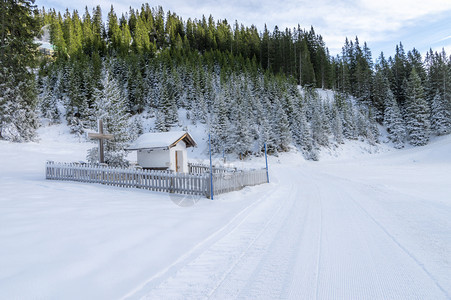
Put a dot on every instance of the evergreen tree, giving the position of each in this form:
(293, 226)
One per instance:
(347, 116)
(318, 125)
(110, 106)
(220, 125)
(337, 125)
(393, 121)
(380, 87)
(303, 137)
(241, 135)
(18, 121)
(417, 112)
(48, 103)
(18, 27)
(440, 116)
(281, 127)
(400, 74)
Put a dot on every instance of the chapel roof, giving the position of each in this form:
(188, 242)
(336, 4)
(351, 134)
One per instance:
(162, 140)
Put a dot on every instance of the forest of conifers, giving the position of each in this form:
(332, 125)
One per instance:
(239, 81)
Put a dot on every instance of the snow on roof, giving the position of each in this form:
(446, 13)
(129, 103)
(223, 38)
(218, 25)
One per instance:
(153, 140)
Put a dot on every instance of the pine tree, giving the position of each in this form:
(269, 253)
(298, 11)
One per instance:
(167, 104)
(281, 127)
(110, 106)
(319, 130)
(337, 125)
(17, 121)
(364, 127)
(440, 116)
(303, 137)
(220, 125)
(393, 121)
(380, 86)
(417, 112)
(241, 135)
(18, 55)
(160, 124)
(347, 116)
(48, 103)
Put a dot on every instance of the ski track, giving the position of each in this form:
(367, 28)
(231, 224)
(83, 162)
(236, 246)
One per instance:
(315, 240)
(201, 247)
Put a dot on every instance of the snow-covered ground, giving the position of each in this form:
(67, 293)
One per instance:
(356, 226)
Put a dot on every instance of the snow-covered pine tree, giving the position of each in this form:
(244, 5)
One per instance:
(167, 103)
(346, 114)
(440, 116)
(348, 117)
(267, 134)
(319, 132)
(240, 135)
(337, 125)
(417, 112)
(110, 106)
(393, 121)
(364, 126)
(199, 107)
(18, 52)
(219, 125)
(47, 102)
(135, 87)
(281, 127)
(304, 138)
(18, 121)
(160, 123)
(380, 86)
(136, 127)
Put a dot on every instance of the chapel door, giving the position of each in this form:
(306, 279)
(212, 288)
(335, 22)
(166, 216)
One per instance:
(178, 161)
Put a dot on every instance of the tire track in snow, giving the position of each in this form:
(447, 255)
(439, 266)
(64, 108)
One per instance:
(402, 248)
(267, 276)
(196, 251)
(280, 264)
(303, 278)
(338, 250)
(320, 237)
(195, 278)
(250, 260)
(399, 281)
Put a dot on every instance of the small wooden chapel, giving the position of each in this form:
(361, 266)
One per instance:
(163, 150)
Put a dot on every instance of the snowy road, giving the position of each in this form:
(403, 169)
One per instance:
(321, 235)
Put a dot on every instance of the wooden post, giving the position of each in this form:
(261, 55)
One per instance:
(101, 136)
(266, 159)
(211, 169)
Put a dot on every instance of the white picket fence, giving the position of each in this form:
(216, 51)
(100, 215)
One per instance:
(233, 181)
(161, 181)
(201, 169)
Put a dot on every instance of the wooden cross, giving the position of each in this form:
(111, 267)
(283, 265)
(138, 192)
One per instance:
(101, 136)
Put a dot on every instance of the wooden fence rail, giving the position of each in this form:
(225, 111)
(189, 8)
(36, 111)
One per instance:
(229, 182)
(201, 169)
(161, 181)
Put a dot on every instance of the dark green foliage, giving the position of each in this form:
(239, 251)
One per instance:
(417, 112)
(18, 27)
(295, 53)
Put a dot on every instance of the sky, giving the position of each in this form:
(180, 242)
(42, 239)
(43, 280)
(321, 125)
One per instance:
(381, 23)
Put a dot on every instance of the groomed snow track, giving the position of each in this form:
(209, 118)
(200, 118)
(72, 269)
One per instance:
(316, 236)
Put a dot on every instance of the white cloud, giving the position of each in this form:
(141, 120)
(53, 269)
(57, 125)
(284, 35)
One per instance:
(445, 38)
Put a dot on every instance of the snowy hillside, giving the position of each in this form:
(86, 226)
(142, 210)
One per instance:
(352, 226)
